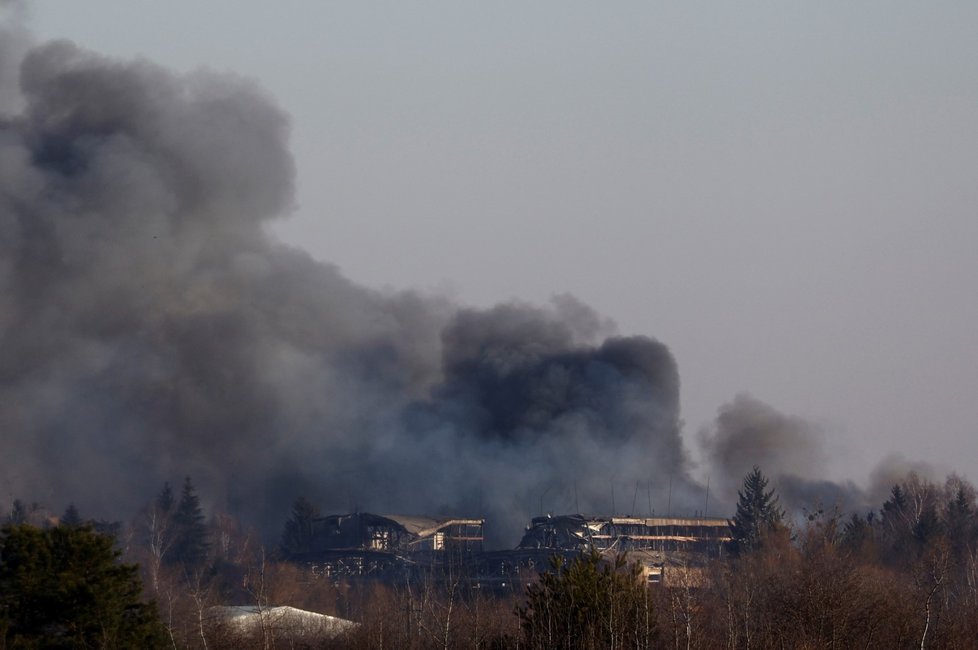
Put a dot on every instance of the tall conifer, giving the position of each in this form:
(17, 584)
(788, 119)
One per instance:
(297, 534)
(190, 542)
(758, 513)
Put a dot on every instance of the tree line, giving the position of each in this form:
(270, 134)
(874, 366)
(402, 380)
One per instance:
(904, 574)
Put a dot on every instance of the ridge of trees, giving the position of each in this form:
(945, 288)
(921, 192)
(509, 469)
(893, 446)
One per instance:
(901, 574)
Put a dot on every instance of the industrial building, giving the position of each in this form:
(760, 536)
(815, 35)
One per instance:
(366, 544)
(661, 545)
(381, 546)
(700, 535)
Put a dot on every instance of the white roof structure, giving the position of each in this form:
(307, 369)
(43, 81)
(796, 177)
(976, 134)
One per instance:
(424, 526)
(283, 621)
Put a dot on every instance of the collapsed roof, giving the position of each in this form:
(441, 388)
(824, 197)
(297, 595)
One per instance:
(395, 533)
(578, 532)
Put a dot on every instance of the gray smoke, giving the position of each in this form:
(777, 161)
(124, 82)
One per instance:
(791, 453)
(896, 468)
(788, 449)
(150, 329)
(14, 42)
(748, 432)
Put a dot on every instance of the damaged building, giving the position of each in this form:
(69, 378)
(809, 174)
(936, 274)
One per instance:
(656, 543)
(365, 544)
(702, 535)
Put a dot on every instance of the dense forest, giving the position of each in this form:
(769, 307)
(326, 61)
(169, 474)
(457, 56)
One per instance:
(903, 575)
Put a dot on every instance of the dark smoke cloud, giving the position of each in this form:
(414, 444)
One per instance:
(790, 451)
(14, 42)
(150, 328)
(748, 432)
(896, 468)
(541, 413)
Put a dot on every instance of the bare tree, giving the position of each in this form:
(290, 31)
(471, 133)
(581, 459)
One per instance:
(929, 578)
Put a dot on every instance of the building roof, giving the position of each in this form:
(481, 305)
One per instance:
(424, 526)
(246, 618)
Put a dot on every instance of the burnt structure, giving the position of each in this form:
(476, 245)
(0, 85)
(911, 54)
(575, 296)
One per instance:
(656, 543)
(384, 547)
(702, 535)
(365, 544)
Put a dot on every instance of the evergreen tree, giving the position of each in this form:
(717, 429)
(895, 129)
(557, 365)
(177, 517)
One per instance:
(18, 513)
(907, 523)
(297, 534)
(960, 522)
(107, 528)
(71, 516)
(190, 533)
(164, 500)
(64, 587)
(894, 514)
(758, 513)
(157, 523)
(959, 508)
(928, 525)
(859, 535)
(588, 603)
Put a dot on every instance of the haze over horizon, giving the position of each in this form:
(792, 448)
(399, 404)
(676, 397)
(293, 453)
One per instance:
(784, 197)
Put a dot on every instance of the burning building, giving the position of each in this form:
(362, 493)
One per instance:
(136, 207)
(367, 544)
(703, 535)
(656, 543)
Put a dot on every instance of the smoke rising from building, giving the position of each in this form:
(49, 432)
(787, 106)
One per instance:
(151, 328)
(748, 432)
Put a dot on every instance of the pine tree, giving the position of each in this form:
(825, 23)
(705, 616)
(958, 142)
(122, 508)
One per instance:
(960, 522)
(190, 533)
(895, 513)
(18, 513)
(71, 516)
(859, 535)
(898, 523)
(164, 500)
(297, 534)
(758, 513)
(588, 603)
(63, 587)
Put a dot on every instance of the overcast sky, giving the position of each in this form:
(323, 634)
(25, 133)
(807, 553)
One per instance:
(783, 193)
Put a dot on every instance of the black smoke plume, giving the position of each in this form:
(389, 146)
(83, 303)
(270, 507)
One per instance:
(790, 450)
(150, 328)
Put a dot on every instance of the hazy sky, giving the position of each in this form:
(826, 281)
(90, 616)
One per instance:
(786, 194)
